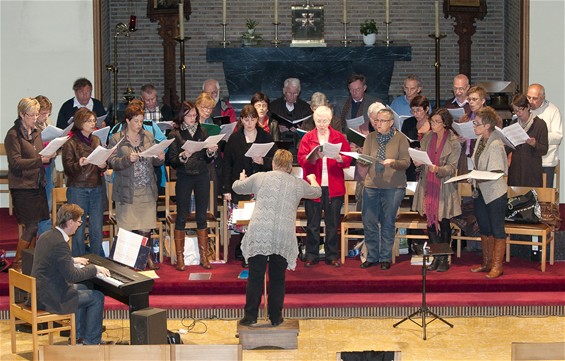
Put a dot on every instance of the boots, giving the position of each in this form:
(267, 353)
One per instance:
(433, 237)
(487, 245)
(434, 265)
(202, 235)
(179, 245)
(497, 258)
(17, 264)
(443, 264)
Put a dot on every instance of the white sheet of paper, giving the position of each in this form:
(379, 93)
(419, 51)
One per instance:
(127, 247)
(465, 130)
(470, 163)
(54, 146)
(102, 134)
(211, 141)
(259, 150)
(245, 213)
(165, 125)
(227, 129)
(363, 157)
(355, 122)
(331, 150)
(52, 132)
(515, 134)
(99, 120)
(410, 140)
(398, 119)
(476, 174)
(419, 156)
(100, 155)
(155, 149)
(456, 113)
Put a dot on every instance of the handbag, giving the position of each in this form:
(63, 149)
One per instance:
(524, 208)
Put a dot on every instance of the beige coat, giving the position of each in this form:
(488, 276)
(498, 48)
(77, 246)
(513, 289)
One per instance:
(449, 199)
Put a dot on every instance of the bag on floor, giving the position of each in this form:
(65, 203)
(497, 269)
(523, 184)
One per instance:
(191, 253)
(524, 208)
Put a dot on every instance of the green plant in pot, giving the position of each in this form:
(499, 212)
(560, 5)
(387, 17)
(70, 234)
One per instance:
(369, 30)
(250, 37)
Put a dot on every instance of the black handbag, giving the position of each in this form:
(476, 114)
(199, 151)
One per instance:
(524, 208)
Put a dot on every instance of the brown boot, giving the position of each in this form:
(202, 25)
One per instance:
(179, 245)
(202, 235)
(487, 245)
(497, 258)
(17, 264)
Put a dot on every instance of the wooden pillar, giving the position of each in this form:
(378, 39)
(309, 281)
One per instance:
(166, 12)
(465, 12)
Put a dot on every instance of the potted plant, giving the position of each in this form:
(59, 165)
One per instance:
(250, 37)
(369, 30)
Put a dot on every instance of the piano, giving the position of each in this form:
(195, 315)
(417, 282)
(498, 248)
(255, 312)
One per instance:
(124, 284)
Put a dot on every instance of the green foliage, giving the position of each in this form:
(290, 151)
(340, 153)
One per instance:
(368, 27)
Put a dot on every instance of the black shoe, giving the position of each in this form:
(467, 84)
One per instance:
(278, 322)
(244, 264)
(309, 263)
(443, 265)
(368, 264)
(385, 265)
(434, 265)
(247, 321)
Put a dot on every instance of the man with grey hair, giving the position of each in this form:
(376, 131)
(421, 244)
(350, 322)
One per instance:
(223, 107)
(401, 105)
(358, 101)
(547, 111)
(153, 111)
(460, 88)
(290, 106)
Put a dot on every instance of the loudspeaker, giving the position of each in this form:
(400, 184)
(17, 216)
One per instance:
(148, 327)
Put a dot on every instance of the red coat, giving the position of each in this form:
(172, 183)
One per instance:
(336, 182)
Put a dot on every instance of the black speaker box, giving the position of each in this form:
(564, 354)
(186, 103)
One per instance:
(148, 327)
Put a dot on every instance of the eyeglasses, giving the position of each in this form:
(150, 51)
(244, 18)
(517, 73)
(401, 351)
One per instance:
(436, 121)
(207, 108)
(417, 110)
(36, 115)
(382, 121)
(91, 120)
(469, 99)
(476, 124)
(249, 119)
(518, 110)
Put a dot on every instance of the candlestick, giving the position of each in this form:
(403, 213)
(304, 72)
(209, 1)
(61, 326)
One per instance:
(388, 41)
(437, 19)
(224, 11)
(276, 40)
(345, 41)
(344, 11)
(181, 20)
(276, 12)
(224, 42)
(437, 65)
(387, 11)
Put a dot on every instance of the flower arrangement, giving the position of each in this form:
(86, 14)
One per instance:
(250, 37)
(368, 27)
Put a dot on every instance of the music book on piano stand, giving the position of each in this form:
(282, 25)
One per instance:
(130, 249)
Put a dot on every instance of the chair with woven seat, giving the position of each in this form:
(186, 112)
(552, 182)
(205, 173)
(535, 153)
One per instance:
(212, 222)
(21, 313)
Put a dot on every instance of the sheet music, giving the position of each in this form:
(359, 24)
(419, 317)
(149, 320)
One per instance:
(476, 174)
(515, 134)
(419, 156)
(52, 132)
(165, 125)
(103, 135)
(398, 119)
(331, 150)
(100, 155)
(456, 113)
(363, 157)
(410, 140)
(227, 129)
(243, 214)
(127, 247)
(54, 146)
(101, 119)
(259, 150)
(466, 130)
(156, 149)
(355, 122)
(211, 141)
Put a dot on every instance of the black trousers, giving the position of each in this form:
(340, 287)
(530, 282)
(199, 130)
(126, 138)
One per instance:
(276, 285)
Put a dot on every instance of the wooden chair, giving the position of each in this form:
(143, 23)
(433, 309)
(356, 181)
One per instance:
(351, 220)
(542, 231)
(4, 180)
(408, 220)
(212, 222)
(20, 313)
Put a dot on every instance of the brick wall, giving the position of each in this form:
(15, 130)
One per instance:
(412, 20)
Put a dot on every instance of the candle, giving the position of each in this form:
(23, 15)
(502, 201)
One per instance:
(181, 20)
(225, 11)
(387, 11)
(345, 11)
(437, 19)
(276, 12)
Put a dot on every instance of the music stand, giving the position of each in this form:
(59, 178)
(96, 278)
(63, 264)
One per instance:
(436, 249)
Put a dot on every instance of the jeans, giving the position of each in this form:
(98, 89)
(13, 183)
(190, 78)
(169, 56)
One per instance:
(332, 209)
(380, 207)
(185, 185)
(45, 224)
(89, 314)
(276, 287)
(91, 201)
(490, 217)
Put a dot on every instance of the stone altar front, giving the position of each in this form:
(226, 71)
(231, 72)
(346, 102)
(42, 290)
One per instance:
(249, 69)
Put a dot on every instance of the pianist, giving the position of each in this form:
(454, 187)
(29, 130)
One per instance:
(57, 274)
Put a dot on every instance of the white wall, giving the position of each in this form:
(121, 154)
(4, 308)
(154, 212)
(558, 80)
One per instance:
(547, 58)
(44, 47)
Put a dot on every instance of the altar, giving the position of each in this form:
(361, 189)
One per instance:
(249, 69)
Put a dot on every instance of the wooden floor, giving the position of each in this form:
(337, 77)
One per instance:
(470, 339)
